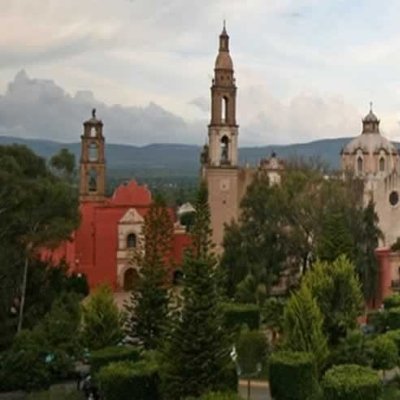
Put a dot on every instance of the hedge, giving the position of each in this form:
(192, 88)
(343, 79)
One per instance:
(351, 382)
(392, 301)
(292, 376)
(103, 357)
(395, 336)
(252, 349)
(236, 315)
(127, 380)
(393, 318)
(384, 352)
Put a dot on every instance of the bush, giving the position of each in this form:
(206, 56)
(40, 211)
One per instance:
(126, 380)
(395, 336)
(103, 357)
(236, 315)
(351, 382)
(252, 349)
(393, 318)
(384, 353)
(378, 320)
(292, 376)
(392, 301)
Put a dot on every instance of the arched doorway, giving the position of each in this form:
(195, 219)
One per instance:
(130, 279)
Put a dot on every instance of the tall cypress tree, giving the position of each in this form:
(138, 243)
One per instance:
(367, 263)
(148, 306)
(197, 352)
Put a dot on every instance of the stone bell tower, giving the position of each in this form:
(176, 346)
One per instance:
(92, 163)
(220, 164)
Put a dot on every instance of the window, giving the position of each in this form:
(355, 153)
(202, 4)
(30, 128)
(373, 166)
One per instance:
(394, 198)
(224, 109)
(382, 164)
(93, 132)
(93, 152)
(131, 241)
(92, 180)
(360, 166)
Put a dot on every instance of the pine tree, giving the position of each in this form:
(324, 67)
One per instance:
(197, 352)
(148, 306)
(303, 326)
(102, 321)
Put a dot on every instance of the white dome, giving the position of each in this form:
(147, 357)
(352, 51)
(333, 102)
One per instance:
(370, 143)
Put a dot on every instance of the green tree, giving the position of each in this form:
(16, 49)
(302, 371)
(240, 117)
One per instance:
(257, 244)
(63, 163)
(196, 356)
(38, 209)
(102, 321)
(303, 326)
(337, 291)
(367, 263)
(384, 353)
(148, 306)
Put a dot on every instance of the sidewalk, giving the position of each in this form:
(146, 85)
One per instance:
(259, 390)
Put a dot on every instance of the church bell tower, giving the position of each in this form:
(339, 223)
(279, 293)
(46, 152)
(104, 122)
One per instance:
(223, 130)
(220, 157)
(92, 163)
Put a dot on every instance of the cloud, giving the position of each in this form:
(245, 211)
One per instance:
(41, 109)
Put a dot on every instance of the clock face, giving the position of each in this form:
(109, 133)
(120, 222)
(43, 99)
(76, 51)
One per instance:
(224, 185)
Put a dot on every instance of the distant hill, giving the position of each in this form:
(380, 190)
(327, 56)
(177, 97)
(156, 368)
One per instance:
(179, 160)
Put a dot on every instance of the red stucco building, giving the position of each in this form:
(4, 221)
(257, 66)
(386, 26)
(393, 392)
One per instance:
(102, 247)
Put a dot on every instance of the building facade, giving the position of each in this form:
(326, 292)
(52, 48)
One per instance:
(110, 230)
(374, 159)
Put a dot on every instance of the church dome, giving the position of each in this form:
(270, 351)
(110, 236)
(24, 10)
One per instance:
(370, 141)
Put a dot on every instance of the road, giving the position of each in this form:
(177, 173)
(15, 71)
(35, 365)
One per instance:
(258, 390)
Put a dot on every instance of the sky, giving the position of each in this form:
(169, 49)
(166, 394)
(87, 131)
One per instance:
(305, 69)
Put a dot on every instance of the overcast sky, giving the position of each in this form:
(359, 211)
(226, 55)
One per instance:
(305, 69)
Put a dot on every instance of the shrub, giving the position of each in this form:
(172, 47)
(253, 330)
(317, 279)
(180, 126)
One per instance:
(351, 382)
(252, 349)
(392, 301)
(393, 318)
(384, 353)
(237, 314)
(125, 380)
(351, 350)
(378, 320)
(292, 376)
(395, 336)
(103, 357)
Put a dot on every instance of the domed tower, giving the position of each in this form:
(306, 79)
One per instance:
(223, 130)
(92, 164)
(370, 155)
(220, 157)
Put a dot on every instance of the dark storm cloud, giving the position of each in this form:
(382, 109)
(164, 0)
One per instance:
(40, 108)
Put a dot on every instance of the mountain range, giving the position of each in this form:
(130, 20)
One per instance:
(180, 160)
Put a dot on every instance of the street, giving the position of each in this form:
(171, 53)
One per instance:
(258, 390)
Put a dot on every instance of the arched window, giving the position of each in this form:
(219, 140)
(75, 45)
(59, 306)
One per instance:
(224, 150)
(360, 165)
(93, 152)
(92, 180)
(224, 109)
(382, 166)
(93, 132)
(131, 241)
